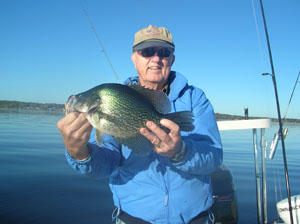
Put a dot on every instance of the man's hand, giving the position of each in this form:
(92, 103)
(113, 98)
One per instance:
(165, 144)
(75, 130)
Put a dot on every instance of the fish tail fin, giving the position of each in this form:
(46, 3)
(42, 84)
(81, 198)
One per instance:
(184, 119)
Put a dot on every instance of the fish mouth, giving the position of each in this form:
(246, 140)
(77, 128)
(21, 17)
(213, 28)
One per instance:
(73, 105)
(70, 104)
(93, 109)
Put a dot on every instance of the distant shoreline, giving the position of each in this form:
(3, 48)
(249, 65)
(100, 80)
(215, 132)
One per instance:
(18, 105)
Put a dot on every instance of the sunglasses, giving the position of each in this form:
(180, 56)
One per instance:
(161, 52)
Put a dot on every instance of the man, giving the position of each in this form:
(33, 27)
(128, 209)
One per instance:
(172, 183)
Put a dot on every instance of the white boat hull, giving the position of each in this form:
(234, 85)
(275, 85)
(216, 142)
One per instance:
(283, 210)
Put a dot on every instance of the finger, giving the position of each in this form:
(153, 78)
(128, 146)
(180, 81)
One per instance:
(81, 125)
(80, 119)
(150, 136)
(63, 123)
(70, 118)
(83, 133)
(85, 128)
(172, 126)
(160, 133)
(72, 123)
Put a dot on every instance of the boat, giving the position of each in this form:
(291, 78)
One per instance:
(224, 192)
(283, 209)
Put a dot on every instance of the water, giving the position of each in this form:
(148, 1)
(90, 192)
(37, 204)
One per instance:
(36, 183)
(38, 186)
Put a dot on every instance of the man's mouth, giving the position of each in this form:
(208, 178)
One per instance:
(154, 67)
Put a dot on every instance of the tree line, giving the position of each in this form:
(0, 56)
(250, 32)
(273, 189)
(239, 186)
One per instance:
(4, 104)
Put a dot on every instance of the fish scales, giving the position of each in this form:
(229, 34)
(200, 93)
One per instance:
(128, 111)
(120, 111)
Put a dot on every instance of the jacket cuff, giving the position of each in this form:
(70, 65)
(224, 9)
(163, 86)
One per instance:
(72, 160)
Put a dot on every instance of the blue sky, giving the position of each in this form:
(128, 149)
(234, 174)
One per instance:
(48, 50)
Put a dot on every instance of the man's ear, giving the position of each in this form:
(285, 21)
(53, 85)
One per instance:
(172, 61)
(133, 58)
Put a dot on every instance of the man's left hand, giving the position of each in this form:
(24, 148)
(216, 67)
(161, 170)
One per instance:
(165, 144)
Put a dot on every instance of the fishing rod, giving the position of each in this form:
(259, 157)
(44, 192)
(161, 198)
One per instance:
(99, 41)
(276, 138)
(279, 115)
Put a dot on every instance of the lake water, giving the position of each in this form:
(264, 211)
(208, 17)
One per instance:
(38, 186)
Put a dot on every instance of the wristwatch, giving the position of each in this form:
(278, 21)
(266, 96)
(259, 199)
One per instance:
(180, 155)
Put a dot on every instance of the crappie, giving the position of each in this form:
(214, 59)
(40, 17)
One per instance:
(121, 110)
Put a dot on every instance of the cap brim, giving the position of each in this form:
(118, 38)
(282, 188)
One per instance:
(147, 44)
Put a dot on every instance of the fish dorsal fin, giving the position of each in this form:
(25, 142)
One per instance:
(157, 98)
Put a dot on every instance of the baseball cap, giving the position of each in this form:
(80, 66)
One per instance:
(153, 36)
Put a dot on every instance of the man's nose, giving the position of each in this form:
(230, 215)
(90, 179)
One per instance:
(156, 57)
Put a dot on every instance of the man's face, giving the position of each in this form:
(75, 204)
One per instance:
(153, 66)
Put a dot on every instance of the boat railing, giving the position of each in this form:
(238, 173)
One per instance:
(260, 176)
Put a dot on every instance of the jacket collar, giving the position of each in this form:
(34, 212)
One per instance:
(177, 83)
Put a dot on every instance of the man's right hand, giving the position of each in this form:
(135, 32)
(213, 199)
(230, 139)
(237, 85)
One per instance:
(75, 130)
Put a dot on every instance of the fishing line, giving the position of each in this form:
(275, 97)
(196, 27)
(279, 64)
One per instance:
(277, 182)
(266, 89)
(258, 35)
(291, 97)
(275, 187)
(99, 41)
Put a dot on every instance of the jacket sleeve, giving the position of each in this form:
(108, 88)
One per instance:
(204, 148)
(102, 160)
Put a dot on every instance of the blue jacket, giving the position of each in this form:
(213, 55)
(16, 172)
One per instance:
(152, 187)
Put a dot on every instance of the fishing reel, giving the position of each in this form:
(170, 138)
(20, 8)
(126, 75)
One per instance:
(275, 140)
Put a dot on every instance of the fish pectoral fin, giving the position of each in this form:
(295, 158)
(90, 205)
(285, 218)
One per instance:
(138, 144)
(99, 137)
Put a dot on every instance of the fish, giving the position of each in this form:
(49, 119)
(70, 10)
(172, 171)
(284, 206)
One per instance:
(121, 110)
